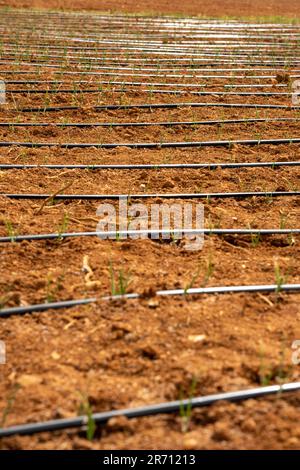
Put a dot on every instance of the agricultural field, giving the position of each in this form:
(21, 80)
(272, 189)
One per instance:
(145, 343)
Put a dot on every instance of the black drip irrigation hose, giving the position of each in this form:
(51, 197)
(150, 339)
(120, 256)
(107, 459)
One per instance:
(143, 23)
(154, 38)
(150, 106)
(268, 288)
(131, 83)
(45, 307)
(94, 70)
(150, 40)
(270, 51)
(187, 53)
(145, 124)
(13, 52)
(155, 234)
(95, 197)
(123, 83)
(156, 91)
(203, 67)
(195, 166)
(196, 63)
(149, 410)
(153, 145)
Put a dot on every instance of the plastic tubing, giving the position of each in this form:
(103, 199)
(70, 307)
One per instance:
(192, 166)
(96, 197)
(153, 145)
(146, 233)
(148, 410)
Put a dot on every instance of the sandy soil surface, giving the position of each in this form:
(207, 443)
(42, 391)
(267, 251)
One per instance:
(218, 8)
(129, 353)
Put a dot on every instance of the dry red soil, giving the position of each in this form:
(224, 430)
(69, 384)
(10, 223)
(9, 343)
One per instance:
(217, 8)
(133, 352)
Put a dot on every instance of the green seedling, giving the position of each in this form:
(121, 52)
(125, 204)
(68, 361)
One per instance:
(86, 409)
(185, 411)
(120, 285)
(207, 275)
(290, 239)
(265, 375)
(53, 287)
(9, 405)
(209, 271)
(3, 301)
(192, 281)
(280, 278)
(11, 232)
(268, 373)
(174, 237)
(255, 239)
(63, 226)
(283, 220)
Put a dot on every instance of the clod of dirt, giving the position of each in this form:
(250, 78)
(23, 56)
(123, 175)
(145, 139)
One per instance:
(149, 351)
(221, 432)
(249, 425)
(283, 78)
(153, 303)
(168, 184)
(190, 443)
(27, 380)
(119, 423)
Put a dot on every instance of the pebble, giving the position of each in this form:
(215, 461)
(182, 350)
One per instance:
(190, 443)
(196, 338)
(249, 425)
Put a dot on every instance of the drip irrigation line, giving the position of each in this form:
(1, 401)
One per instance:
(44, 307)
(141, 34)
(203, 51)
(272, 65)
(40, 41)
(208, 166)
(149, 410)
(158, 74)
(152, 145)
(70, 197)
(93, 25)
(154, 234)
(156, 106)
(48, 52)
(93, 74)
(208, 63)
(107, 38)
(236, 48)
(261, 55)
(110, 40)
(202, 66)
(148, 44)
(16, 47)
(137, 84)
(145, 124)
(173, 92)
(123, 83)
(135, 33)
(208, 28)
(139, 31)
(82, 55)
